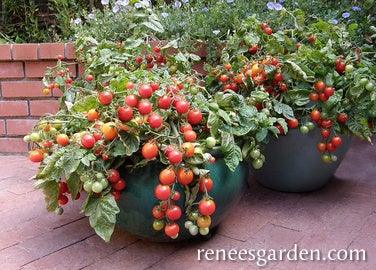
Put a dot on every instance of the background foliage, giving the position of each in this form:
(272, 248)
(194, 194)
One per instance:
(27, 21)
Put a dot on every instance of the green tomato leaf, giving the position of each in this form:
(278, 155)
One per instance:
(223, 114)
(74, 184)
(233, 157)
(88, 158)
(50, 191)
(50, 170)
(85, 104)
(213, 123)
(102, 215)
(283, 109)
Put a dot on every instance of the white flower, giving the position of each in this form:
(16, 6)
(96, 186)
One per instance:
(216, 32)
(105, 2)
(77, 21)
(115, 9)
(177, 4)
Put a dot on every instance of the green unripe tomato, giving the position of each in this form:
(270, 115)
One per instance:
(158, 224)
(87, 186)
(57, 124)
(210, 142)
(52, 130)
(304, 129)
(204, 231)
(193, 216)
(326, 158)
(266, 111)
(363, 81)
(349, 68)
(173, 69)
(310, 125)
(369, 86)
(99, 175)
(255, 153)
(59, 210)
(257, 163)
(193, 230)
(34, 137)
(188, 224)
(103, 182)
(97, 187)
(27, 138)
(193, 90)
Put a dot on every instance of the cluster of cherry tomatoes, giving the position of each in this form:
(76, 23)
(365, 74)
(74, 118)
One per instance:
(166, 212)
(321, 92)
(330, 141)
(151, 59)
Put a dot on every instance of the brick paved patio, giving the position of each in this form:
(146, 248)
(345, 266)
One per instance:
(342, 215)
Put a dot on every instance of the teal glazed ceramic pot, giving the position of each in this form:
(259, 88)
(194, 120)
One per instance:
(293, 164)
(137, 200)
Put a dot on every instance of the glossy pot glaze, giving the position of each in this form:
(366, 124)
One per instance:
(293, 163)
(137, 200)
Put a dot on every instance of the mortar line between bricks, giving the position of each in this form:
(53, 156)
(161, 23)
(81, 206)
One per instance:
(48, 254)
(233, 238)
(132, 243)
(284, 227)
(162, 258)
(70, 222)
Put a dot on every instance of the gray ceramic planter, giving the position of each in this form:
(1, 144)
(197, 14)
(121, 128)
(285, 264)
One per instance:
(293, 163)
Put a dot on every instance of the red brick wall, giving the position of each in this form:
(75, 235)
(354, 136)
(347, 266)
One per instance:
(22, 102)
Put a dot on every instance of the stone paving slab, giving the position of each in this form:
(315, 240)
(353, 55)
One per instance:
(340, 216)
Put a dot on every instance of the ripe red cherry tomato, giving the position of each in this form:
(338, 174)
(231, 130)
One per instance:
(145, 91)
(105, 97)
(206, 207)
(184, 175)
(292, 123)
(162, 192)
(144, 107)
(131, 100)
(194, 116)
(88, 141)
(336, 140)
(155, 121)
(119, 184)
(125, 113)
(167, 176)
(164, 102)
(171, 229)
(149, 150)
(175, 156)
(342, 117)
(205, 183)
(182, 106)
(173, 212)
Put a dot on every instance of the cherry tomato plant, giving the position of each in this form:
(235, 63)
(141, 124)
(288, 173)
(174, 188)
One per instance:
(306, 81)
(139, 102)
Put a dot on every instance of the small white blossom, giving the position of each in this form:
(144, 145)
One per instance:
(77, 21)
